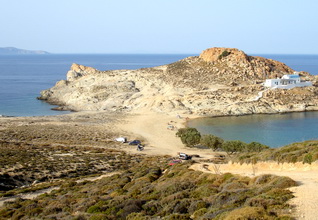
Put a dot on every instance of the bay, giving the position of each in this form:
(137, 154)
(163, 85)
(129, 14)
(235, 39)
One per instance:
(274, 130)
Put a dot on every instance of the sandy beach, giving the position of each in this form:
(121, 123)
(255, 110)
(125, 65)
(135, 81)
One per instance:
(158, 130)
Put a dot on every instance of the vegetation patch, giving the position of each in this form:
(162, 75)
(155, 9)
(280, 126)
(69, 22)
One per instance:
(225, 53)
(152, 189)
(191, 137)
(28, 164)
(305, 152)
(241, 152)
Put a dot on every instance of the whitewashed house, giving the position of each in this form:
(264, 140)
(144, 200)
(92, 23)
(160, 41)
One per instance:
(287, 82)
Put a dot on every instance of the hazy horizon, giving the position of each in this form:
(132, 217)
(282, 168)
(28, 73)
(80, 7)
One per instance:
(101, 53)
(165, 27)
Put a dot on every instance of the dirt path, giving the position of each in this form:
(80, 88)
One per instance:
(306, 199)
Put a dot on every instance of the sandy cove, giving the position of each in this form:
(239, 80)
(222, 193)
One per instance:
(152, 127)
(159, 139)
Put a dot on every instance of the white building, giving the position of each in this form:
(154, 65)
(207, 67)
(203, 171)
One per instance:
(287, 82)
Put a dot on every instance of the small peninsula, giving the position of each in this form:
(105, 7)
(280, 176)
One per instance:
(219, 82)
(17, 51)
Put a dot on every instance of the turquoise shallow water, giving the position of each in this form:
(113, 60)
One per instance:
(273, 130)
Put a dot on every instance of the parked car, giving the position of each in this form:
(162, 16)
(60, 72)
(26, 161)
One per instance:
(184, 156)
(121, 139)
(134, 142)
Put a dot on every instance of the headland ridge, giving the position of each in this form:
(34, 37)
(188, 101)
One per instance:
(218, 82)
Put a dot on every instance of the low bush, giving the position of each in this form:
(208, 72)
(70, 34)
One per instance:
(211, 141)
(225, 53)
(189, 136)
(248, 213)
(308, 158)
(255, 147)
(145, 192)
(234, 146)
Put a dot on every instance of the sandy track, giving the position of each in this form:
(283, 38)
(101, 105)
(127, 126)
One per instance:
(306, 199)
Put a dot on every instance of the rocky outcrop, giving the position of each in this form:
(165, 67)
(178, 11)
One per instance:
(215, 83)
(79, 71)
(236, 60)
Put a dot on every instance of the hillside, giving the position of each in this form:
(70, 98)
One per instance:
(16, 51)
(221, 81)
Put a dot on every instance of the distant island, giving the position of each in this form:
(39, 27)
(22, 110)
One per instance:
(17, 51)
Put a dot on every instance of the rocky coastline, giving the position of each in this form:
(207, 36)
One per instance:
(219, 82)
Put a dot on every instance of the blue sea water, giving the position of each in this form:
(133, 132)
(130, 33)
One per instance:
(273, 130)
(307, 63)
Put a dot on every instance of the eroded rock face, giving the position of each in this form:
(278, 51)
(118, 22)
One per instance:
(78, 71)
(215, 83)
(215, 54)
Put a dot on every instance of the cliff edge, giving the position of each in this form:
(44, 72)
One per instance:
(221, 81)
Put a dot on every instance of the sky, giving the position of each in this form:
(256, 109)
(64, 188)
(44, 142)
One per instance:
(159, 27)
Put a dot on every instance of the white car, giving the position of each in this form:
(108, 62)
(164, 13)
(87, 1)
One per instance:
(121, 139)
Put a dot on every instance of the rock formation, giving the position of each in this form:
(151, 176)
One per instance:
(221, 81)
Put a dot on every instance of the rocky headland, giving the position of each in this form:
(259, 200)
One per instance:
(219, 82)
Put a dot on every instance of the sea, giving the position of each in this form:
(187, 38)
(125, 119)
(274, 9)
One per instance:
(23, 77)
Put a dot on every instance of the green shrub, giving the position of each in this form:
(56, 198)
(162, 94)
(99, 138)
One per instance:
(137, 216)
(189, 136)
(94, 209)
(197, 214)
(233, 146)
(176, 216)
(308, 158)
(211, 141)
(99, 217)
(225, 53)
(255, 147)
(247, 213)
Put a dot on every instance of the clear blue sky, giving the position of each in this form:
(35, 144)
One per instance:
(162, 26)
